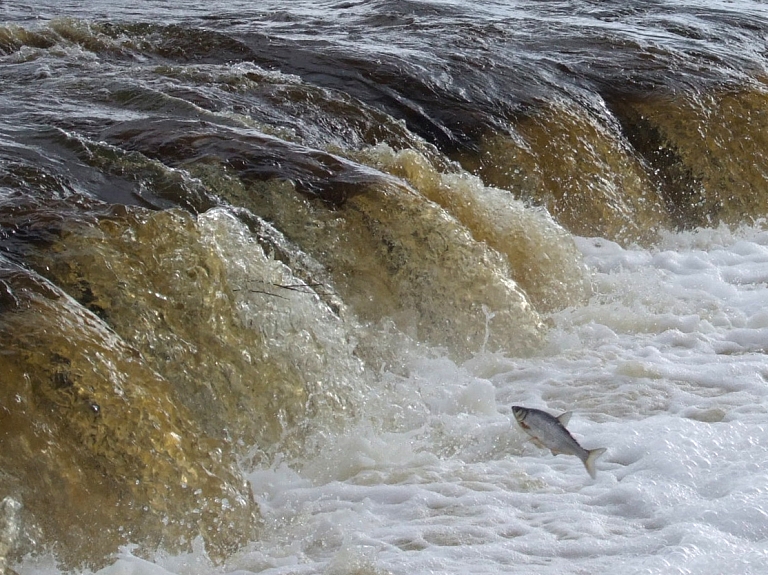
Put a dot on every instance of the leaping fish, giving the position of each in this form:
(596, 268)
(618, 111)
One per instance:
(549, 432)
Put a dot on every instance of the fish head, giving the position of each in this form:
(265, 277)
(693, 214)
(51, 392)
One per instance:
(519, 413)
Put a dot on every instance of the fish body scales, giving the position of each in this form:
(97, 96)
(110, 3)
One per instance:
(553, 435)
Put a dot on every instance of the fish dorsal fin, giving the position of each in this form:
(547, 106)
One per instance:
(565, 418)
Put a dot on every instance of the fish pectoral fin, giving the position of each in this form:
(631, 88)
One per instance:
(538, 443)
(564, 418)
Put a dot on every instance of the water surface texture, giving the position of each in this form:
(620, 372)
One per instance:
(272, 275)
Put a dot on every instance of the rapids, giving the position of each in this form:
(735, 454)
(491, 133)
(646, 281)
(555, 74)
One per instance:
(272, 274)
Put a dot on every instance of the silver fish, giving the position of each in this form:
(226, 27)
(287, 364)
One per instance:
(549, 432)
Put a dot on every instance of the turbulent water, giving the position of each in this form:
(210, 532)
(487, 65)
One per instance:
(272, 275)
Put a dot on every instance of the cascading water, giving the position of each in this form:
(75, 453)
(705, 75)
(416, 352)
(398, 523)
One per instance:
(271, 276)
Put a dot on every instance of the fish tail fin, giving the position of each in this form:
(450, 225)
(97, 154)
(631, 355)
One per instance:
(592, 456)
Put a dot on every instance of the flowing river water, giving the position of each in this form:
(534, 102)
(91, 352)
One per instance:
(272, 275)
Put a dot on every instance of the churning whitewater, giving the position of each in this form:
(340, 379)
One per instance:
(277, 279)
(666, 365)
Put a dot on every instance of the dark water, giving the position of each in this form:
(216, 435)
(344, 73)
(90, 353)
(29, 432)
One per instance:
(219, 223)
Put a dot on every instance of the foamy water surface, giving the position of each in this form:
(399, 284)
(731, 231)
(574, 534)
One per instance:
(666, 367)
